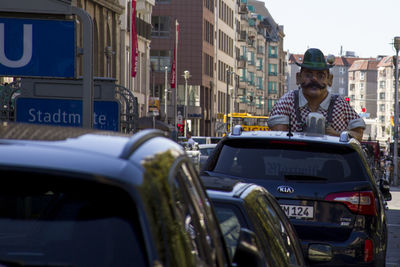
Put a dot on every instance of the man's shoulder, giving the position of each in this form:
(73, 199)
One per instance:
(290, 95)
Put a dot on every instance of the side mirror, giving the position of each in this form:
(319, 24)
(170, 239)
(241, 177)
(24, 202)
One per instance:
(247, 252)
(385, 189)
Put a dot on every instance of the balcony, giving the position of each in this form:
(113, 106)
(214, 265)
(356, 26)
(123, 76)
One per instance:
(243, 99)
(243, 8)
(252, 34)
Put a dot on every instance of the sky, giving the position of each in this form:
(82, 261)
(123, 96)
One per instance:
(366, 27)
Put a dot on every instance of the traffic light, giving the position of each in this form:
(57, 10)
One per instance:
(180, 127)
(347, 99)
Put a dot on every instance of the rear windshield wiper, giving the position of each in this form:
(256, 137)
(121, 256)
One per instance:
(304, 177)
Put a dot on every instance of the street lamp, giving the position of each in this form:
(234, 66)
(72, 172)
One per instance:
(228, 73)
(186, 75)
(396, 111)
(166, 94)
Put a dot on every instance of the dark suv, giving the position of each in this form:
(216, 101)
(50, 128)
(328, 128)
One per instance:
(324, 185)
(76, 197)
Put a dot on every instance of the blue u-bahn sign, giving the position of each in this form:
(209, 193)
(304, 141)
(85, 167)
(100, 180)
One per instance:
(37, 48)
(66, 112)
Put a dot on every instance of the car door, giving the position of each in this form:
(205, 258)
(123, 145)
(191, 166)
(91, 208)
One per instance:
(194, 210)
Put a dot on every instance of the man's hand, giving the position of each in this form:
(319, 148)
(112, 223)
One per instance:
(357, 133)
(330, 131)
(280, 127)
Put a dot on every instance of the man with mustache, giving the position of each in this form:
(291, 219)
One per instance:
(313, 96)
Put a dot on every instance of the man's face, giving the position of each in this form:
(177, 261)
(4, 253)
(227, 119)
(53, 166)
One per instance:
(314, 82)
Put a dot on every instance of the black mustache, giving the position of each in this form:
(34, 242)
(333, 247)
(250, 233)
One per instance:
(312, 84)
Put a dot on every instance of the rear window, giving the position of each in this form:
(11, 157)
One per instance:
(47, 220)
(275, 160)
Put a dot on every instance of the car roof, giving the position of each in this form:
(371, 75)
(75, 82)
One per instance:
(78, 150)
(295, 136)
(218, 187)
(207, 145)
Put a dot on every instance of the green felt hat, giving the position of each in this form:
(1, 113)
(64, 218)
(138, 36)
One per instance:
(314, 59)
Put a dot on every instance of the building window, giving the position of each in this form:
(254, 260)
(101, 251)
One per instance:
(382, 107)
(272, 52)
(160, 59)
(251, 78)
(208, 32)
(382, 96)
(361, 86)
(260, 83)
(271, 87)
(381, 118)
(250, 58)
(382, 84)
(272, 70)
(362, 75)
(160, 26)
(209, 4)
(259, 64)
(208, 65)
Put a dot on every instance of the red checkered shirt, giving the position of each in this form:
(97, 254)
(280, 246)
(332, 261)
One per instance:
(344, 116)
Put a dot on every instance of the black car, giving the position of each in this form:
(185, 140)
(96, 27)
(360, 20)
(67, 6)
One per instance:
(239, 205)
(324, 185)
(80, 197)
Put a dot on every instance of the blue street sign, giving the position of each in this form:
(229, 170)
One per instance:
(65, 112)
(37, 48)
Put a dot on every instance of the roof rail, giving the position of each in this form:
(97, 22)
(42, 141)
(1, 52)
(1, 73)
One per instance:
(345, 136)
(137, 140)
(237, 130)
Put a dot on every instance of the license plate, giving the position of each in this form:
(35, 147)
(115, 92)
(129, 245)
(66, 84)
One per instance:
(293, 211)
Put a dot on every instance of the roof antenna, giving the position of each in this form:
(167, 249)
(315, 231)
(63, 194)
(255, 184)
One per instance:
(289, 134)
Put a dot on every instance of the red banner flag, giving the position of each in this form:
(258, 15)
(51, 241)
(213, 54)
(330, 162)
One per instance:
(173, 67)
(134, 45)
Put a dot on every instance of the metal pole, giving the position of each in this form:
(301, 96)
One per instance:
(227, 100)
(154, 82)
(186, 106)
(396, 112)
(176, 76)
(166, 94)
(234, 100)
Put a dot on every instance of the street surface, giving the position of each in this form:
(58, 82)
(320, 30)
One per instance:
(393, 214)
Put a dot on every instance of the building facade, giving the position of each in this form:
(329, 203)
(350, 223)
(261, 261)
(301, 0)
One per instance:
(385, 99)
(363, 86)
(140, 84)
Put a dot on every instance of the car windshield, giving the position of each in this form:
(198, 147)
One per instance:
(262, 159)
(46, 220)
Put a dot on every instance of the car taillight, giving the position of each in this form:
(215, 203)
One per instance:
(358, 202)
(368, 250)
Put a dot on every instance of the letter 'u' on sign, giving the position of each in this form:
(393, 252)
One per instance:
(27, 50)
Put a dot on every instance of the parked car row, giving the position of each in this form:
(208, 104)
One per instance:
(324, 186)
(81, 197)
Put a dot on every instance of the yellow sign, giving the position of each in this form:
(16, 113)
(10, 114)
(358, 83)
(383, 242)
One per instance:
(255, 128)
(154, 104)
